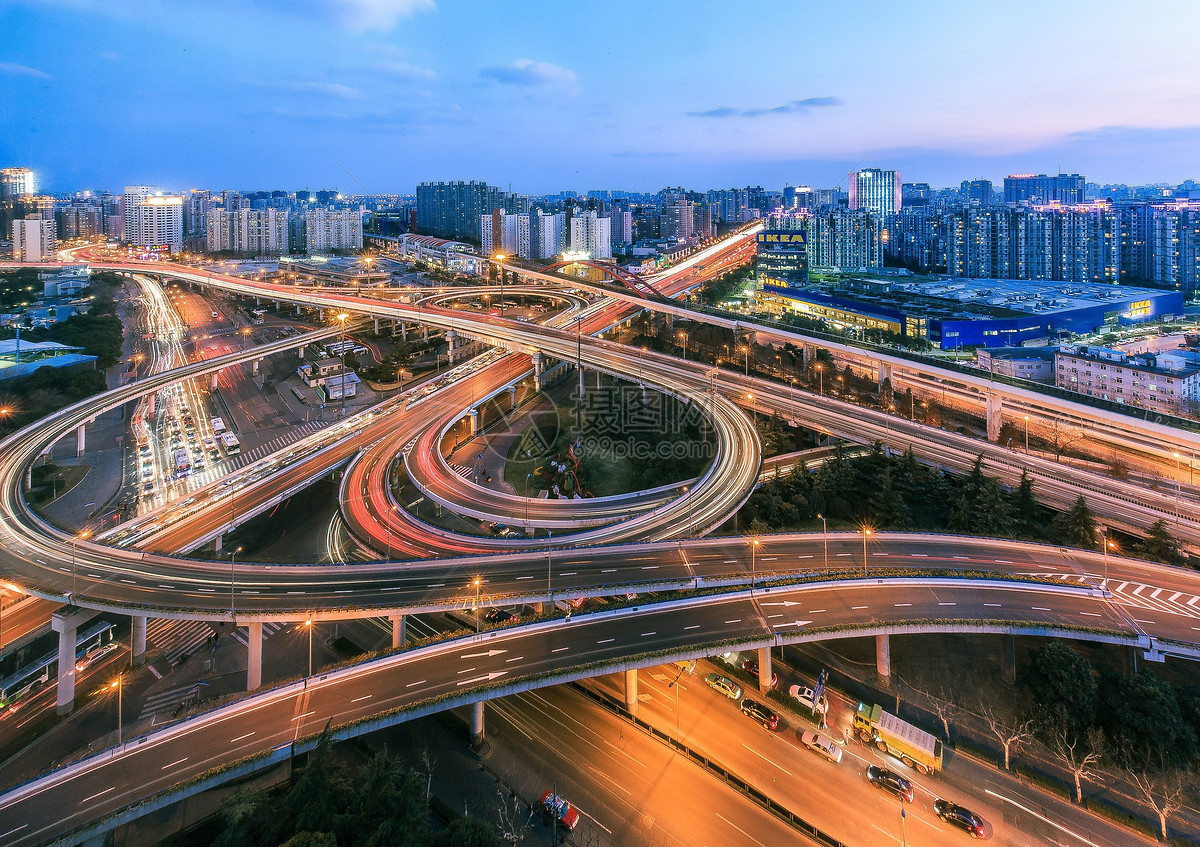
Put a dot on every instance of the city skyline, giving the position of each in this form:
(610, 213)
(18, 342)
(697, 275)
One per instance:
(374, 96)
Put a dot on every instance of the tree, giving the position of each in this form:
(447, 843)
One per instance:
(1160, 545)
(1077, 526)
(320, 792)
(311, 839)
(1063, 687)
(466, 832)
(887, 504)
(1009, 737)
(1143, 713)
(1078, 755)
(1162, 788)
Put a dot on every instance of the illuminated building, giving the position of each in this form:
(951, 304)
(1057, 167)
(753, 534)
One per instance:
(875, 190)
(153, 219)
(33, 240)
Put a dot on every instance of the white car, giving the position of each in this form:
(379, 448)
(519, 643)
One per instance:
(805, 696)
(821, 744)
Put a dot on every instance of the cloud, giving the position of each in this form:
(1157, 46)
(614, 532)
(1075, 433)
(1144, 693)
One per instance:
(789, 108)
(109, 55)
(14, 69)
(531, 74)
(404, 70)
(377, 14)
(333, 89)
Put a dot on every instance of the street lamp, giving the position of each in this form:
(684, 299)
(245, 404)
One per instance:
(746, 352)
(75, 540)
(683, 336)
(866, 531)
(1026, 433)
(232, 556)
(500, 257)
(1107, 544)
(753, 411)
(118, 684)
(478, 615)
(308, 624)
(342, 317)
(753, 556)
(825, 537)
(820, 380)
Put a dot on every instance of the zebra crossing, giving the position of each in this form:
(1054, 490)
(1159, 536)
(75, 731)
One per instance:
(278, 443)
(1141, 595)
(171, 700)
(269, 628)
(175, 638)
(462, 470)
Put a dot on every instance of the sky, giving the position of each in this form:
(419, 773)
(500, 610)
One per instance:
(378, 95)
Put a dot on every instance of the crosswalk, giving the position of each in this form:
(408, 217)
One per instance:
(177, 638)
(1141, 595)
(292, 435)
(269, 628)
(462, 470)
(169, 701)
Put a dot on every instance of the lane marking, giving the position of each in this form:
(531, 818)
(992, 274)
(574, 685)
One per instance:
(738, 828)
(11, 831)
(767, 759)
(94, 796)
(364, 697)
(648, 634)
(858, 607)
(1092, 614)
(993, 605)
(1039, 608)
(693, 626)
(240, 738)
(173, 764)
(559, 649)
(947, 604)
(1057, 826)
(606, 641)
(411, 684)
(514, 659)
(901, 604)
(305, 715)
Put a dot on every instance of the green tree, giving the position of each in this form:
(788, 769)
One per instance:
(1142, 714)
(1160, 545)
(466, 832)
(1077, 526)
(320, 793)
(888, 508)
(311, 839)
(1063, 688)
(1027, 513)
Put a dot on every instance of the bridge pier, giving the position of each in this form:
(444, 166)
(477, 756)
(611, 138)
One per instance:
(883, 658)
(79, 436)
(217, 544)
(399, 629)
(403, 331)
(139, 639)
(254, 656)
(474, 415)
(631, 693)
(884, 374)
(512, 397)
(451, 339)
(539, 369)
(321, 315)
(213, 380)
(764, 670)
(254, 366)
(995, 416)
(477, 734)
(66, 623)
(297, 308)
(377, 326)
(300, 350)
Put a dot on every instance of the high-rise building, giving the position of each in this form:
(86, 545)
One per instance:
(915, 194)
(621, 227)
(195, 212)
(499, 233)
(333, 229)
(153, 219)
(15, 182)
(677, 221)
(455, 209)
(1064, 189)
(547, 234)
(977, 190)
(876, 190)
(591, 234)
(33, 239)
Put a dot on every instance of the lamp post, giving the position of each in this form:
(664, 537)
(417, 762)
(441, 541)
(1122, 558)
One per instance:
(750, 403)
(866, 531)
(75, 540)
(1107, 544)
(342, 318)
(753, 556)
(527, 476)
(478, 615)
(308, 624)
(820, 380)
(746, 353)
(118, 684)
(1026, 433)
(683, 337)
(825, 537)
(500, 257)
(232, 557)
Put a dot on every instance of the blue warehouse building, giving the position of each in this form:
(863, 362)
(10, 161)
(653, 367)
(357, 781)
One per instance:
(956, 313)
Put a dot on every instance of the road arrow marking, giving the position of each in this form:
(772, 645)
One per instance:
(487, 678)
(791, 623)
(784, 603)
(486, 655)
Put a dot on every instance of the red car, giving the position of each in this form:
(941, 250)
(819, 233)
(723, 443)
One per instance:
(750, 666)
(554, 806)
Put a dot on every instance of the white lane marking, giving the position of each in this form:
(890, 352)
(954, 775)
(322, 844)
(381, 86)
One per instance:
(412, 684)
(767, 558)
(648, 634)
(1039, 608)
(94, 796)
(559, 649)
(305, 715)
(1139, 620)
(693, 626)
(465, 670)
(11, 831)
(649, 567)
(1091, 614)
(901, 604)
(524, 577)
(843, 554)
(993, 605)
(173, 764)
(609, 570)
(364, 697)
(606, 640)
(569, 573)
(918, 555)
(766, 759)
(739, 620)
(738, 828)
(1029, 811)
(962, 557)
(947, 604)
(804, 557)
(436, 585)
(858, 607)
(240, 738)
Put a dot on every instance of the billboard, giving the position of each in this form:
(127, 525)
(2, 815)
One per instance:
(790, 239)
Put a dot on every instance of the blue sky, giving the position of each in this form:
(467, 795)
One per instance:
(548, 96)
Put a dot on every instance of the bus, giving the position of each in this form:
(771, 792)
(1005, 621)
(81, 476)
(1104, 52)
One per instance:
(93, 641)
(232, 445)
(218, 426)
(183, 463)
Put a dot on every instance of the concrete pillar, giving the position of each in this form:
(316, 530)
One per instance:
(254, 656)
(995, 416)
(512, 397)
(631, 693)
(1008, 659)
(213, 381)
(66, 623)
(764, 669)
(807, 352)
(300, 350)
(474, 415)
(883, 658)
(29, 476)
(451, 344)
(477, 736)
(424, 333)
(297, 308)
(276, 305)
(217, 544)
(139, 639)
(321, 315)
(885, 374)
(257, 302)
(79, 441)
(399, 626)
(377, 326)
(539, 367)
(254, 366)
(403, 331)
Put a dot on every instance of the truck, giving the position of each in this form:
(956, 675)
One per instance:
(915, 747)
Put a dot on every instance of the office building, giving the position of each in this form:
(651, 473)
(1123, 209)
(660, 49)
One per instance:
(876, 190)
(33, 240)
(781, 257)
(15, 182)
(677, 221)
(455, 209)
(1164, 382)
(333, 229)
(153, 219)
(591, 234)
(1064, 189)
(977, 191)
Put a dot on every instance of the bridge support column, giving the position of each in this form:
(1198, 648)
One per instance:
(66, 623)
(399, 627)
(1008, 659)
(213, 381)
(512, 397)
(451, 339)
(254, 366)
(883, 658)
(539, 368)
(474, 416)
(477, 735)
(764, 670)
(300, 350)
(79, 434)
(276, 305)
(884, 374)
(995, 416)
(139, 639)
(217, 544)
(321, 315)
(254, 656)
(403, 331)
(377, 326)
(807, 354)
(424, 333)
(297, 308)
(631, 693)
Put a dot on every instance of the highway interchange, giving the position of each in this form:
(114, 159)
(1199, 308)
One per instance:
(133, 581)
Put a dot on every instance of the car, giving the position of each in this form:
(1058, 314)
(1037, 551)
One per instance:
(501, 616)
(725, 685)
(148, 488)
(554, 806)
(759, 712)
(961, 817)
(891, 782)
(750, 666)
(95, 654)
(822, 744)
(805, 696)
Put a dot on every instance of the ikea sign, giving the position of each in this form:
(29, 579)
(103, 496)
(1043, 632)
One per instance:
(790, 237)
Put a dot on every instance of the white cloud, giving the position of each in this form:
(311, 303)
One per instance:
(14, 69)
(333, 89)
(377, 14)
(404, 70)
(531, 74)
